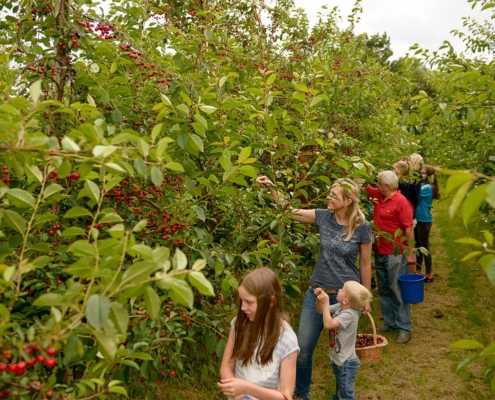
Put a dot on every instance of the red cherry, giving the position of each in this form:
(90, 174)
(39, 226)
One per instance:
(50, 363)
(172, 373)
(40, 359)
(51, 351)
(164, 359)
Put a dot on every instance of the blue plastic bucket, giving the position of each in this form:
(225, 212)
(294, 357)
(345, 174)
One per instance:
(412, 287)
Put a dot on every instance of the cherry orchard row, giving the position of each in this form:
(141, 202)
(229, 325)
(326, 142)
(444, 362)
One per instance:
(130, 142)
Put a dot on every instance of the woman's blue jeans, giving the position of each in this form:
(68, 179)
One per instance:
(345, 376)
(310, 327)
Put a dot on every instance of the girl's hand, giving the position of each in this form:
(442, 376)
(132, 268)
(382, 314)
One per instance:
(232, 387)
(264, 181)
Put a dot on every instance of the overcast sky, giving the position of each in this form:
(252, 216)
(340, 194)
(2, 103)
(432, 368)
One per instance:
(426, 22)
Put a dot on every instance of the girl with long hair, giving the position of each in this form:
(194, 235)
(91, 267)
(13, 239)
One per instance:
(424, 218)
(345, 236)
(259, 361)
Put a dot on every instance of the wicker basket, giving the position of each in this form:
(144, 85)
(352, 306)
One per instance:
(372, 353)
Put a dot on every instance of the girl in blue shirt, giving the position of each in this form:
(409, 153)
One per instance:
(429, 192)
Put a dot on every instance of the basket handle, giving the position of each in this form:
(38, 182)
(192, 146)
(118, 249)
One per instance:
(374, 328)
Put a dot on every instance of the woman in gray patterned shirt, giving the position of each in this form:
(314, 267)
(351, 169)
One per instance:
(345, 238)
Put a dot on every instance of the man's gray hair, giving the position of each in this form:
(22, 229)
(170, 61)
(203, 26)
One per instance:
(389, 178)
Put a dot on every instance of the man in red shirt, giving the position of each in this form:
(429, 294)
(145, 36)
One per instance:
(394, 251)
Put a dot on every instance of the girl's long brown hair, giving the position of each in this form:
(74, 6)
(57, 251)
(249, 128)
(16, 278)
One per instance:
(264, 331)
(431, 178)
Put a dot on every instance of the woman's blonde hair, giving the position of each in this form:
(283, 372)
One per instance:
(403, 167)
(350, 191)
(357, 294)
(416, 162)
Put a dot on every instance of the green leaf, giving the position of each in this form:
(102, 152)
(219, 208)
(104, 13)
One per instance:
(316, 100)
(107, 345)
(470, 241)
(144, 148)
(138, 271)
(119, 317)
(301, 88)
(199, 265)
(198, 142)
(156, 176)
(271, 79)
(156, 131)
(20, 198)
(459, 198)
(141, 249)
(467, 344)
(200, 213)
(77, 212)
(458, 179)
(179, 261)
(225, 160)
(82, 248)
(100, 151)
(490, 271)
(49, 300)
(73, 350)
(198, 280)
(90, 190)
(140, 225)
(152, 301)
(97, 310)
(4, 314)
(15, 221)
(111, 217)
(119, 390)
(45, 218)
(207, 109)
(35, 90)
(33, 173)
(174, 166)
(473, 202)
(73, 231)
(201, 120)
(51, 190)
(244, 154)
(180, 292)
(69, 145)
(248, 170)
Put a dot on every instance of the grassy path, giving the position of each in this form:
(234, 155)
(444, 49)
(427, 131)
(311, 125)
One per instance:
(458, 305)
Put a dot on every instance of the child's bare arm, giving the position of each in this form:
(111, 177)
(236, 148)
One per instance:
(323, 307)
(321, 299)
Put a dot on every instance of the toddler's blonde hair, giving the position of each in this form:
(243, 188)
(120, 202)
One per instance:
(357, 294)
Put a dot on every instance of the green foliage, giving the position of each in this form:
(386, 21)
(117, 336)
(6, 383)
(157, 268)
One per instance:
(129, 142)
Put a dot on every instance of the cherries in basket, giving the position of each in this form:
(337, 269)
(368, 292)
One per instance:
(366, 340)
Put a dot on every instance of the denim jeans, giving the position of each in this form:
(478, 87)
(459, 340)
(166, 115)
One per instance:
(310, 327)
(396, 313)
(345, 377)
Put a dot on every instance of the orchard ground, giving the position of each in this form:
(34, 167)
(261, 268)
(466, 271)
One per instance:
(456, 306)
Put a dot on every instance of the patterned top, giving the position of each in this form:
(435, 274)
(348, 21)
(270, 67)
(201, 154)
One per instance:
(337, 259)
(267, 376)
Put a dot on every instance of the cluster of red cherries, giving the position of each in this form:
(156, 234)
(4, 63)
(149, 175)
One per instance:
(366, 340)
